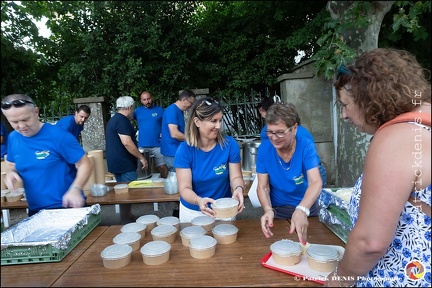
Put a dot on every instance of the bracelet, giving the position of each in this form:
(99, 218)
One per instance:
(75, 187)
(239, 187)
(268, 208)
(304, 209)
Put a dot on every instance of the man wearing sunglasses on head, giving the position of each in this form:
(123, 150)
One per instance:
(40, 155)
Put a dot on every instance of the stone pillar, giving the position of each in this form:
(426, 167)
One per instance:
(93, 135)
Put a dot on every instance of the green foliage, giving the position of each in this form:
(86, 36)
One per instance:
(114, 48)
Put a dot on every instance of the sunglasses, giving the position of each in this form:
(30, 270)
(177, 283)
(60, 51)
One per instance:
(343, 70)
(15, 103)
(207, 102)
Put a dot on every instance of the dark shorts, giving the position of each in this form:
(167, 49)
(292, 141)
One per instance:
(285, 212)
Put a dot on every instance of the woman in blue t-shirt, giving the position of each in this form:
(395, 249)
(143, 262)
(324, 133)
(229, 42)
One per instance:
(289, 181)
(208, 163)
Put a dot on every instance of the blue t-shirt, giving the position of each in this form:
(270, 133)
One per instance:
(4, 133)
(287, 187)
(68, 124)
(210, 170)
(301, 133)
(149, 125)
(44, 161)
(172, 115)
(118, 158)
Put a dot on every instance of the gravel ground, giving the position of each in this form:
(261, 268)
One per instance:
(110, 217)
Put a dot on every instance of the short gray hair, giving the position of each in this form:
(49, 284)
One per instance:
(124, 102)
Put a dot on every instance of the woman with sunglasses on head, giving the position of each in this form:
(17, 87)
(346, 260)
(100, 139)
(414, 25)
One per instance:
(208, 163)
(43, 157)
(289, 181)
(385, 93)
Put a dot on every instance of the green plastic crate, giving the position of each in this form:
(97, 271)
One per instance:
(340, 214)
(338, 231)
(40, 254)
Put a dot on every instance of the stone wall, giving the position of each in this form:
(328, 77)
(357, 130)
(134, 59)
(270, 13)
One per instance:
(93, 135)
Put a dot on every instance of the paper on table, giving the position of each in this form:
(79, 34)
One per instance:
(253, 196)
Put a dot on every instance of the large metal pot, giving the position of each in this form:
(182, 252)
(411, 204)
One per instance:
(250, 152)
(145, 173)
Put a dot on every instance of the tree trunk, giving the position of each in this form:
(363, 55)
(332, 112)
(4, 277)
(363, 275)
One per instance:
(352, 144)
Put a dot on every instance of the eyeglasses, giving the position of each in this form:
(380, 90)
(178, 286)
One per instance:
(192, 102)
(343, 70)
(207, 102)
(15, 103)
(278, 134)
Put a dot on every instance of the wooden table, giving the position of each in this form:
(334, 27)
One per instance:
(236, 264)
(45, 274)
(135, 196)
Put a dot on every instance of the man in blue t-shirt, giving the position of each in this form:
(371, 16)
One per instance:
(149, 119)
(40, 155)
(173, 126)
(75, 123)
(3, 138)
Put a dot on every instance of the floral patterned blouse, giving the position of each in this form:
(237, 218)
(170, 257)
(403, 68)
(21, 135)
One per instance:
(408, 258)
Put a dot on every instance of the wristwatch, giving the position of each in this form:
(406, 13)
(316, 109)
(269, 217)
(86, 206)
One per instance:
(304, 209)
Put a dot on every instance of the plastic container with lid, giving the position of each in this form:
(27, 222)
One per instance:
(205, 221)
(130, 238)
(225, 207)
(189, 232)
(155, 252)
(225, 233)
(121, 189)
(201, 247)
(116, 256)
(169, 220)
(323, 258)
(14, 196)
(149, 220)
(286, 252)
(167, 233)
(135, 227)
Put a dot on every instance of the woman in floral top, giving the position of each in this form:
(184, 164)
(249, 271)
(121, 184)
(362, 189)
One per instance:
(385, 94)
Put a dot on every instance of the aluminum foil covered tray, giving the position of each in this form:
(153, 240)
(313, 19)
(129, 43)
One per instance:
(47, 236)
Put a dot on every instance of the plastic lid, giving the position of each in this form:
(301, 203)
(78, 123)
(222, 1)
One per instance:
(323, 253)
(147, 219)
(126, 238)
(224, 203)
(202, 242)
(286, 248)
(116, 251)
(119, 186)
(169, 220)
(224, 229)
(155, 248)
(163, 230)
(202, 220)
(133, 227)
(192, 231)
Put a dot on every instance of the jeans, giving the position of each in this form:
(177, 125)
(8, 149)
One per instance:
(126, 177)
(126, 209)
(323, 174)
(169, 161)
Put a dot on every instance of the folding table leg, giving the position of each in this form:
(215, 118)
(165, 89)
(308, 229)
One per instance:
(6, 217)
(155, 206)
(117, 208)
